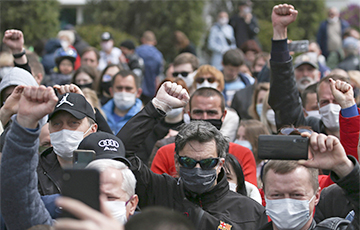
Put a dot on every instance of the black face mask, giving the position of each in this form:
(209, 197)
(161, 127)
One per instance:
(198, 180)
(215, 122)
(255, 74)
(85, 86)
(105, 86)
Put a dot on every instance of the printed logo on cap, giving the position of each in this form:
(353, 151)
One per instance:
(109, 144)
(64, 100)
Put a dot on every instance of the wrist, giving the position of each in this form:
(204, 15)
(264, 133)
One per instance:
(344, 168)
(347, 104)
(18, 53)
(26, 121)
(279, 33)
(161, 105)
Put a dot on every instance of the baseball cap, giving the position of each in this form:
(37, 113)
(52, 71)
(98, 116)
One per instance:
(307, 58)
(106, 146)
(128, 44)
(75, 104)
(106, 36)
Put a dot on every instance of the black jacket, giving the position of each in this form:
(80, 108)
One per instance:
(206, 211)
(284, 98)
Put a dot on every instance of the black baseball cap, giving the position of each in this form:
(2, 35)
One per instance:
(128, 44)
(106, 36)
(106, 146)
(75, 104)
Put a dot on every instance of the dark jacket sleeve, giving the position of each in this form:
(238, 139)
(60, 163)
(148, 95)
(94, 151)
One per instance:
(102, 124)
(24, 66)
(21, 205)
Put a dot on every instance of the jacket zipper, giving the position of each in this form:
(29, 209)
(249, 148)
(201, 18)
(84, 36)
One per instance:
(57, 186)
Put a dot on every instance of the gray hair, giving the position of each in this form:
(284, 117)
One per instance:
(201, 131)
(129, 180)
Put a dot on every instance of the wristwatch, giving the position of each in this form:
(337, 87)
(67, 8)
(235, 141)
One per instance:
(19, 55)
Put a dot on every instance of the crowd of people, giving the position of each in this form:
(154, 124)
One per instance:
(179, 148)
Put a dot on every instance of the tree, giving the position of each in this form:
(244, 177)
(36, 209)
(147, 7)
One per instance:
(37, 19)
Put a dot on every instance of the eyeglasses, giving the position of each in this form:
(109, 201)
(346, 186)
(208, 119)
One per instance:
(190, 163)
(201, 80)
(183, 74)
(287, 131)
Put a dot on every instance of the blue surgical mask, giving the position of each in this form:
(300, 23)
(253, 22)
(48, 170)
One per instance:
(244, 143)
(259, 108)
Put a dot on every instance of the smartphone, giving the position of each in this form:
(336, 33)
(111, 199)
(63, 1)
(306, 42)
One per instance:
(83, 185)
(283, 147)
(81, 158)
(300, 46)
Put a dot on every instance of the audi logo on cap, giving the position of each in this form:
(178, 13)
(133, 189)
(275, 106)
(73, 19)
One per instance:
(108, 143)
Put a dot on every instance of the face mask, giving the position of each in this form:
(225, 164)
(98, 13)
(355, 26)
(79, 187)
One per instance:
(223, 21)
(213, 85)
(64, 44)
(330, 116)
(270, 116)
(64, 142)
(255, 74)
(198, 180)
(288, 214)
(189, 79)
(106, 46)
(105, 86)
(333, 20)
(89, 85)
(232, 186)
(215, 122)
(244, 143)
(118, 210)
(124, 101)
(174, 113)
(313, 113)
(259, 108)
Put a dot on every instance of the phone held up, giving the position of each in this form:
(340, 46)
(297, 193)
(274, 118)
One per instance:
(283, 147)
(299, 46)
(81, 158)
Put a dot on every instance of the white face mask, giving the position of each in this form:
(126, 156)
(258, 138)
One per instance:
(313, 113)
(270, 116)
(65, 141)
(174, 113)
(206, 83)
(189, 79)
(106, 46)
(223, 21)
(232, 186)
(118, 210)
(330, 116)
(64, 44)
(244, 143)
(124, 100)
(288, 214)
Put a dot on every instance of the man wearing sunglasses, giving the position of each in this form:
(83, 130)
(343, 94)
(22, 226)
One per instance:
(202, 193)
(185, 66)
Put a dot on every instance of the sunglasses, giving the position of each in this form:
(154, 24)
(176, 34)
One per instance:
(287, 131)
(183, 74)
(190, 163)
(201, 80)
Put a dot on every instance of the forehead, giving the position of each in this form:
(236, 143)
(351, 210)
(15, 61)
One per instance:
(198, 150)
(82, 75)
(297, 180)
(223, 14)
(111, 180)
(201, 102)
(128, 81)
(324, 91)
(183, 68)
(89, 54)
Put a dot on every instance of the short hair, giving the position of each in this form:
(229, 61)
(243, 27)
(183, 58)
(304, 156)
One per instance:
(233, 57)
(185, 58)
(310, 89)
(125, 73)
(201, 131)
(211, 70)
(159, 218)
(284, 167)
(149, 36)
(230, 160)
(129, 180)
(181, 39)
(91, 49)
(261, 55)
(208, 92)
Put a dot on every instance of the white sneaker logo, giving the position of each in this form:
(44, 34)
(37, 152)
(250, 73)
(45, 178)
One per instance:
(64, 100)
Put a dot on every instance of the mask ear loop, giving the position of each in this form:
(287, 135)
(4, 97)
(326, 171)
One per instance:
(128, 200)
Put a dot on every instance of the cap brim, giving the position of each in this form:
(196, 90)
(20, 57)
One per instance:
(76, 114)
(305, 62)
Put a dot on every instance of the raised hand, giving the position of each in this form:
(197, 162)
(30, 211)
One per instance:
(343, 93)
(282, 16)
(14, 39)
(170, 96)
(35, 102)
(11, 105)
(69, 88)
(326, 152)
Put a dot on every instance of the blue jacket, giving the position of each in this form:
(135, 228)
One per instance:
(321, 37)
(115, 122)
(153, 60)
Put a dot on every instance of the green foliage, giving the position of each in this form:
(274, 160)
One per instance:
(311, 13)
(91, 33)
(37, 19)
(162, 17)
